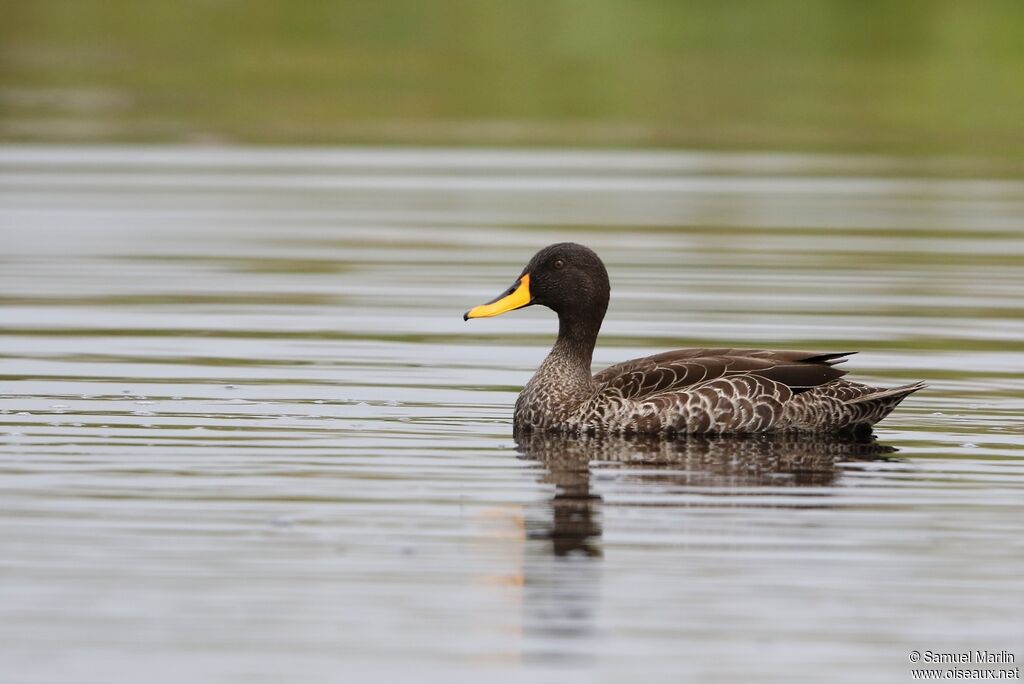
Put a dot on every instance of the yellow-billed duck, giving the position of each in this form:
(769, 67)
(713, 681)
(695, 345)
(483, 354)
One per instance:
(686, 391)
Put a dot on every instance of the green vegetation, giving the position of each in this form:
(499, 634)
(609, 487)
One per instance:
(924, 76)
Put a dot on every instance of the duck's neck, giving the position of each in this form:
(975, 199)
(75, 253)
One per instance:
(563, 382)
(575, 344)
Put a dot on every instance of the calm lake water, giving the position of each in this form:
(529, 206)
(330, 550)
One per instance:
(246, 436)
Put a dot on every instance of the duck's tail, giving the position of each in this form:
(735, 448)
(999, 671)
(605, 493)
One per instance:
(898, 393)
(875, 406)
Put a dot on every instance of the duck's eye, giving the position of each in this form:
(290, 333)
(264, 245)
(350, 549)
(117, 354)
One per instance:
(559, 264)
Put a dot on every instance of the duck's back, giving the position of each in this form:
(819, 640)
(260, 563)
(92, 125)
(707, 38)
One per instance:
(685, 368)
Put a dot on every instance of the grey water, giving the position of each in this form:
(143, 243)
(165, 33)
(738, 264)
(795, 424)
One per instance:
(246, 436)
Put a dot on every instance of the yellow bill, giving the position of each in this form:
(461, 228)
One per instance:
(516, 297)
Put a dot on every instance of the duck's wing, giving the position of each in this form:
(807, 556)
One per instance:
(687, 368)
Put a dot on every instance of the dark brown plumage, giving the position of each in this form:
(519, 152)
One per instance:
(683, 391)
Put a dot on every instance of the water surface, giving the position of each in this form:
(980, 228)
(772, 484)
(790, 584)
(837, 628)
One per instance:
(246, 436)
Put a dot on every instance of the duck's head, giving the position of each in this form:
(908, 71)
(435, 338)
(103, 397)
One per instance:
(566, 277)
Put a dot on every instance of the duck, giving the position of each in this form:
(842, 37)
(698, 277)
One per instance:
(681, 392)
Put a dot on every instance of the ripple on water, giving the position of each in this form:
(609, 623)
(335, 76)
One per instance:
(244, 431)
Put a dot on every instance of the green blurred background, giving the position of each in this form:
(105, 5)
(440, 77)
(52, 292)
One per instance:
(908, 77)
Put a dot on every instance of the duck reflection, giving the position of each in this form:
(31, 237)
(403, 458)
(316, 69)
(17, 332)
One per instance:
(691, 461)
(560, 578)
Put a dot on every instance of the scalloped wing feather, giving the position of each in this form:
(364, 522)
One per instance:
(742, 403)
